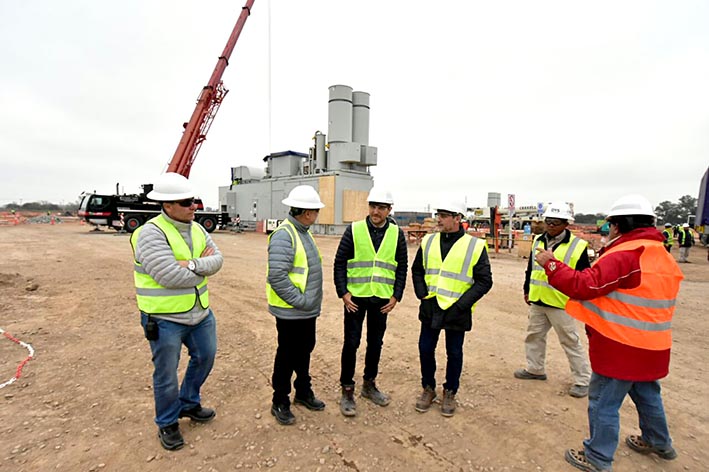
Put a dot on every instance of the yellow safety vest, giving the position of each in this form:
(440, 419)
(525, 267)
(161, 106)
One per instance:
(152, 297)
(299, 272)
(667, 233)
(539, 289)
(449, 279)
(370, 273)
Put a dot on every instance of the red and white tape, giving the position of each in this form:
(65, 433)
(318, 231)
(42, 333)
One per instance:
(29, 348)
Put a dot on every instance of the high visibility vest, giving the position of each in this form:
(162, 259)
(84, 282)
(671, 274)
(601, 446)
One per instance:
(152, 297)
(639, 317)
(370, 273)
(299, 272)
(669, 237)
(539, 289)
(449, 279)
(684, 236)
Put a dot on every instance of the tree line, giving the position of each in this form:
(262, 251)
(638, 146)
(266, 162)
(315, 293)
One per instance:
(667, 212)
(42, 206)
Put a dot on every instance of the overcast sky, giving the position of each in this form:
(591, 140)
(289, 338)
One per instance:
(574, 101)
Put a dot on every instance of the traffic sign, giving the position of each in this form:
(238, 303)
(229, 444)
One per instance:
(511, 202)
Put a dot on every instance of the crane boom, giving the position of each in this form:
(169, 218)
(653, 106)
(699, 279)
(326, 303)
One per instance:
(208, 102)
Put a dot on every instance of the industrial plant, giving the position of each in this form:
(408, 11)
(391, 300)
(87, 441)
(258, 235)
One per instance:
(337, 166)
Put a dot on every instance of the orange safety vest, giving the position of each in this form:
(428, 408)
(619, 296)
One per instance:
(640, 317)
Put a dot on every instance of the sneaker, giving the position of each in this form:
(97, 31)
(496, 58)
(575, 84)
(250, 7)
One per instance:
(370, 391)
(283, 414)
(348, 407)
(638, 444)
(578, 391)
(448, 405)
(170, 437)
(199, 414)
(423, 404)
(310, 402)
(524, 375)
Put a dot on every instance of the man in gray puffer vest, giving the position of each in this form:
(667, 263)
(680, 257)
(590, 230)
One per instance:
(294, 291)
(173, 258)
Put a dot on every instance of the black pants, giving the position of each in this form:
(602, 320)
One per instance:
(376, 326)
(296, 340)
(428, 340)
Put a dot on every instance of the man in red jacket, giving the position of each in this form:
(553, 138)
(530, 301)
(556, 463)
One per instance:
(627, 301)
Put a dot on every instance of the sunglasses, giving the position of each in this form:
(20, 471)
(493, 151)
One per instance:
(551, 222)
(186, 203)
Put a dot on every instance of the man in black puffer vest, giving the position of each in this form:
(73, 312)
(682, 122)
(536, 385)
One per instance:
(370, 276)
(451, 272)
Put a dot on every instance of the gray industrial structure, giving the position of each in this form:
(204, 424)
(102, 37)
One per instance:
(339, 171)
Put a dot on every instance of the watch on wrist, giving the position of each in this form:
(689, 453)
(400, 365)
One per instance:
(191, 265)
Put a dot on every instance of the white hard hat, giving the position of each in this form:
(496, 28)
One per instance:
(685, 225)
(453, 206)
(559, 210)
(379, 195)
(303, 196)
(668, 225)
(631, 205)
(170, 187)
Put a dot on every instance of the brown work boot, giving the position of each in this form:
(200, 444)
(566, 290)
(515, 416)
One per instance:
(348, 407)
(370, 390)
(423, 404)
(448, 405)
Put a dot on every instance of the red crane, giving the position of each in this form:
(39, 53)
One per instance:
(207, 105)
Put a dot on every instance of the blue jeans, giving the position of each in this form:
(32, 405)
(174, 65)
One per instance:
(605, 397)
(428, 339)
(201, 342)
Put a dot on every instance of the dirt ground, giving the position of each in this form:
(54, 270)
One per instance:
(85, 402)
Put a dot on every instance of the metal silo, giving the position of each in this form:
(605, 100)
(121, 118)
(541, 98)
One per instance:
(360, 117)
(339, 126)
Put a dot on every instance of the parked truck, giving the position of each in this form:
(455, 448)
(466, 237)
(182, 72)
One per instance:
(129, 211)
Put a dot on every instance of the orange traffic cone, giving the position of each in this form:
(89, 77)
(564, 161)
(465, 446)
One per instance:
(81, 221)
(51, 222)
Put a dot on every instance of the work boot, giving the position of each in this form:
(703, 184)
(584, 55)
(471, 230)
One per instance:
(370, 390)
(525, 375)
(638, 444)
(448, 405)
(170, 437)
(348, 407)
(199, 414)
(283, 414)
(578, 391)
(310, 402)
(423, 404)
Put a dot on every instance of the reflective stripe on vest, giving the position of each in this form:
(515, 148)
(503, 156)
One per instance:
(639, 317)
(370, 273)
(684, 236)
(298, 274)
(539, 289)
(449, 279)
(152, 297)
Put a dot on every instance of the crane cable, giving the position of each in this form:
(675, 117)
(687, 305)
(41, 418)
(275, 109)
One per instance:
(269, 77)
(18, 372)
